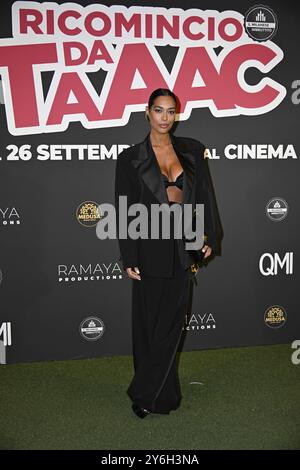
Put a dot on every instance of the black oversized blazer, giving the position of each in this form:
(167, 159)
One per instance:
(138, 176)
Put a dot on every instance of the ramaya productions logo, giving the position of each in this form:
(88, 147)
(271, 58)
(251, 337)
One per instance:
(197, 322)
(92, 328)
(89, 272)
(275, 316)
(277, 209)
(260, 23)
(88, 213)
(9, 216)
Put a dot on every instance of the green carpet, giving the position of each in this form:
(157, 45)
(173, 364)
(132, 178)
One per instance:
(246, 398)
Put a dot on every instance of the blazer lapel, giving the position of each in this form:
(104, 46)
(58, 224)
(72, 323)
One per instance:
(148, 168)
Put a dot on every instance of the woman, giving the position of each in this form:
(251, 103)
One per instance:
(172, 170)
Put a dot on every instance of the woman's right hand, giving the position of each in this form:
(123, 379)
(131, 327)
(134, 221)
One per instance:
(134, 273)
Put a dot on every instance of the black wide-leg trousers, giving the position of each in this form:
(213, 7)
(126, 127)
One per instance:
(159, 307)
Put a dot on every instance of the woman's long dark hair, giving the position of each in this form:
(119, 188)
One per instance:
(161, 92)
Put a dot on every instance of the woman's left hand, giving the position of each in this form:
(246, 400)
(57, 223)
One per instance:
(207, 249)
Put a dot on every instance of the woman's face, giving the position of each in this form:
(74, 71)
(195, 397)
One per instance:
(162, 114)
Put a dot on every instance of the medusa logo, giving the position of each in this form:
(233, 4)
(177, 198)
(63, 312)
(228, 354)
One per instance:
(88, 213)
(275, 316)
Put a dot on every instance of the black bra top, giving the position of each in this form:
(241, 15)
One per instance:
(178, 182)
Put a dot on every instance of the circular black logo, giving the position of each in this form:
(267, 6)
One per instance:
(260, 23)
(275, 316)
(277, 209)
(92, 328)
(87, 213)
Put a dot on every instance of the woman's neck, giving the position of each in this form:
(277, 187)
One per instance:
(160, 140)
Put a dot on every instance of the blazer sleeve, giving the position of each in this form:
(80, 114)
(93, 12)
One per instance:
(126, 184)
(212, 225)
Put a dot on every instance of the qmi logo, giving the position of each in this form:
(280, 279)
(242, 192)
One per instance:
(269, 263)
(5, 332)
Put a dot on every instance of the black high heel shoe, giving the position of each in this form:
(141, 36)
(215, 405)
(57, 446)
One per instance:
(139, 411)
